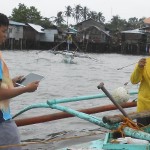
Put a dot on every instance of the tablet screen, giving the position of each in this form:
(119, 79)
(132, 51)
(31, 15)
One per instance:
(31, 77)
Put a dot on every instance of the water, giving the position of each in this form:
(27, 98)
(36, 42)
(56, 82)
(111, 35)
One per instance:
(65, 80)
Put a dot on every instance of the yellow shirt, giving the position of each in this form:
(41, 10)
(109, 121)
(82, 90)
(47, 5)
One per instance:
(142, 76)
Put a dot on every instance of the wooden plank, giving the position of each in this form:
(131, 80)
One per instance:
(119, 118)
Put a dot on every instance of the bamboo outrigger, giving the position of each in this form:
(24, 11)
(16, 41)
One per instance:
(62, 115)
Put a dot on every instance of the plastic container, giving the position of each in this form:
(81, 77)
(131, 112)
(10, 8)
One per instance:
(129, 140)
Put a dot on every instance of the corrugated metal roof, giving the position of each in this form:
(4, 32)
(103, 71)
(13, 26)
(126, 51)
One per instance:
(38, 28)
(137, 31)
(16, 23)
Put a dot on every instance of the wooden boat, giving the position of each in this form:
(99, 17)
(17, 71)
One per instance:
(113, 141)
(68, 55)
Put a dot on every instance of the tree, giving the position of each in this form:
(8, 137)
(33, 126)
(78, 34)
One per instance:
(116, 24)
(93, 15)
(141, 22)
(29, 15)
(84, 13)
(59, 19)
(134, 23)
(100, 17)
(45, 23)
(77, 11)
(19, 14)
(25, 14)
(33, 16)
(68, 13)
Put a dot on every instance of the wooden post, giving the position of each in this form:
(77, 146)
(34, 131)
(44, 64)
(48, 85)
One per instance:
(21, 44)
(119, 118)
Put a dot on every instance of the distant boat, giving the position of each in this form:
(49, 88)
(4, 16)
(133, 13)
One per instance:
(68, 55)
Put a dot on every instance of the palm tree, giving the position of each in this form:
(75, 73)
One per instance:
(100, 17)
(68, 13)
(116, 25)
(59, 19)
(93, 15)
(84, 13)
(77, 13)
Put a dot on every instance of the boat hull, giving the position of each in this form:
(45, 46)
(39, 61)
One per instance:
(107, 145)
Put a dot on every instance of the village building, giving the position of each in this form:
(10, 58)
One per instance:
(146, 30)
(15, 35)
(39, 38)
(92, 36)
(136, 41)
(133, 42)
(29, 36)
(32, 35)
(89, 22)
(87, 36)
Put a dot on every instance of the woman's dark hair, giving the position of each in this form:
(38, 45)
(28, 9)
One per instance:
(4, 21)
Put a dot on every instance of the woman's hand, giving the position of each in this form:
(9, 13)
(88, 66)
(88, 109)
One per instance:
(142, 63)
(17, 79)
(31, 87)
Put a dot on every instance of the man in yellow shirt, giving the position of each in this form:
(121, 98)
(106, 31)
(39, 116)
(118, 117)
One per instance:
(141, 74)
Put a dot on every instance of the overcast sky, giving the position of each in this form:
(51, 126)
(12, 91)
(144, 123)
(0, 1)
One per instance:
(48, 8)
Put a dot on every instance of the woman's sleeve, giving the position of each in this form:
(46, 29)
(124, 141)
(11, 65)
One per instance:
(136, 75)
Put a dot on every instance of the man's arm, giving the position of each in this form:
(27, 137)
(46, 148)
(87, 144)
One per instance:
(136, 76)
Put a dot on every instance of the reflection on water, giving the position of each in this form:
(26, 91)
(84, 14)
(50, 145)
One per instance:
(65, 80)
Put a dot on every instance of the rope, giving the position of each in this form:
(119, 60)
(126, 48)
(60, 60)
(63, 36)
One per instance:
(47, 141)
(128, 123)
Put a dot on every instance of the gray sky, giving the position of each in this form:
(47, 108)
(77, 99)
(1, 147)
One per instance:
(48, 8)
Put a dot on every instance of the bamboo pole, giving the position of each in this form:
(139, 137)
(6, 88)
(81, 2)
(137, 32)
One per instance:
(136, 133)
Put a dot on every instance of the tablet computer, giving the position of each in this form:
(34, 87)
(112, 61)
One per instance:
(31, 77)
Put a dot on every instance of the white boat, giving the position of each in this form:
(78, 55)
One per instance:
(68, 57)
